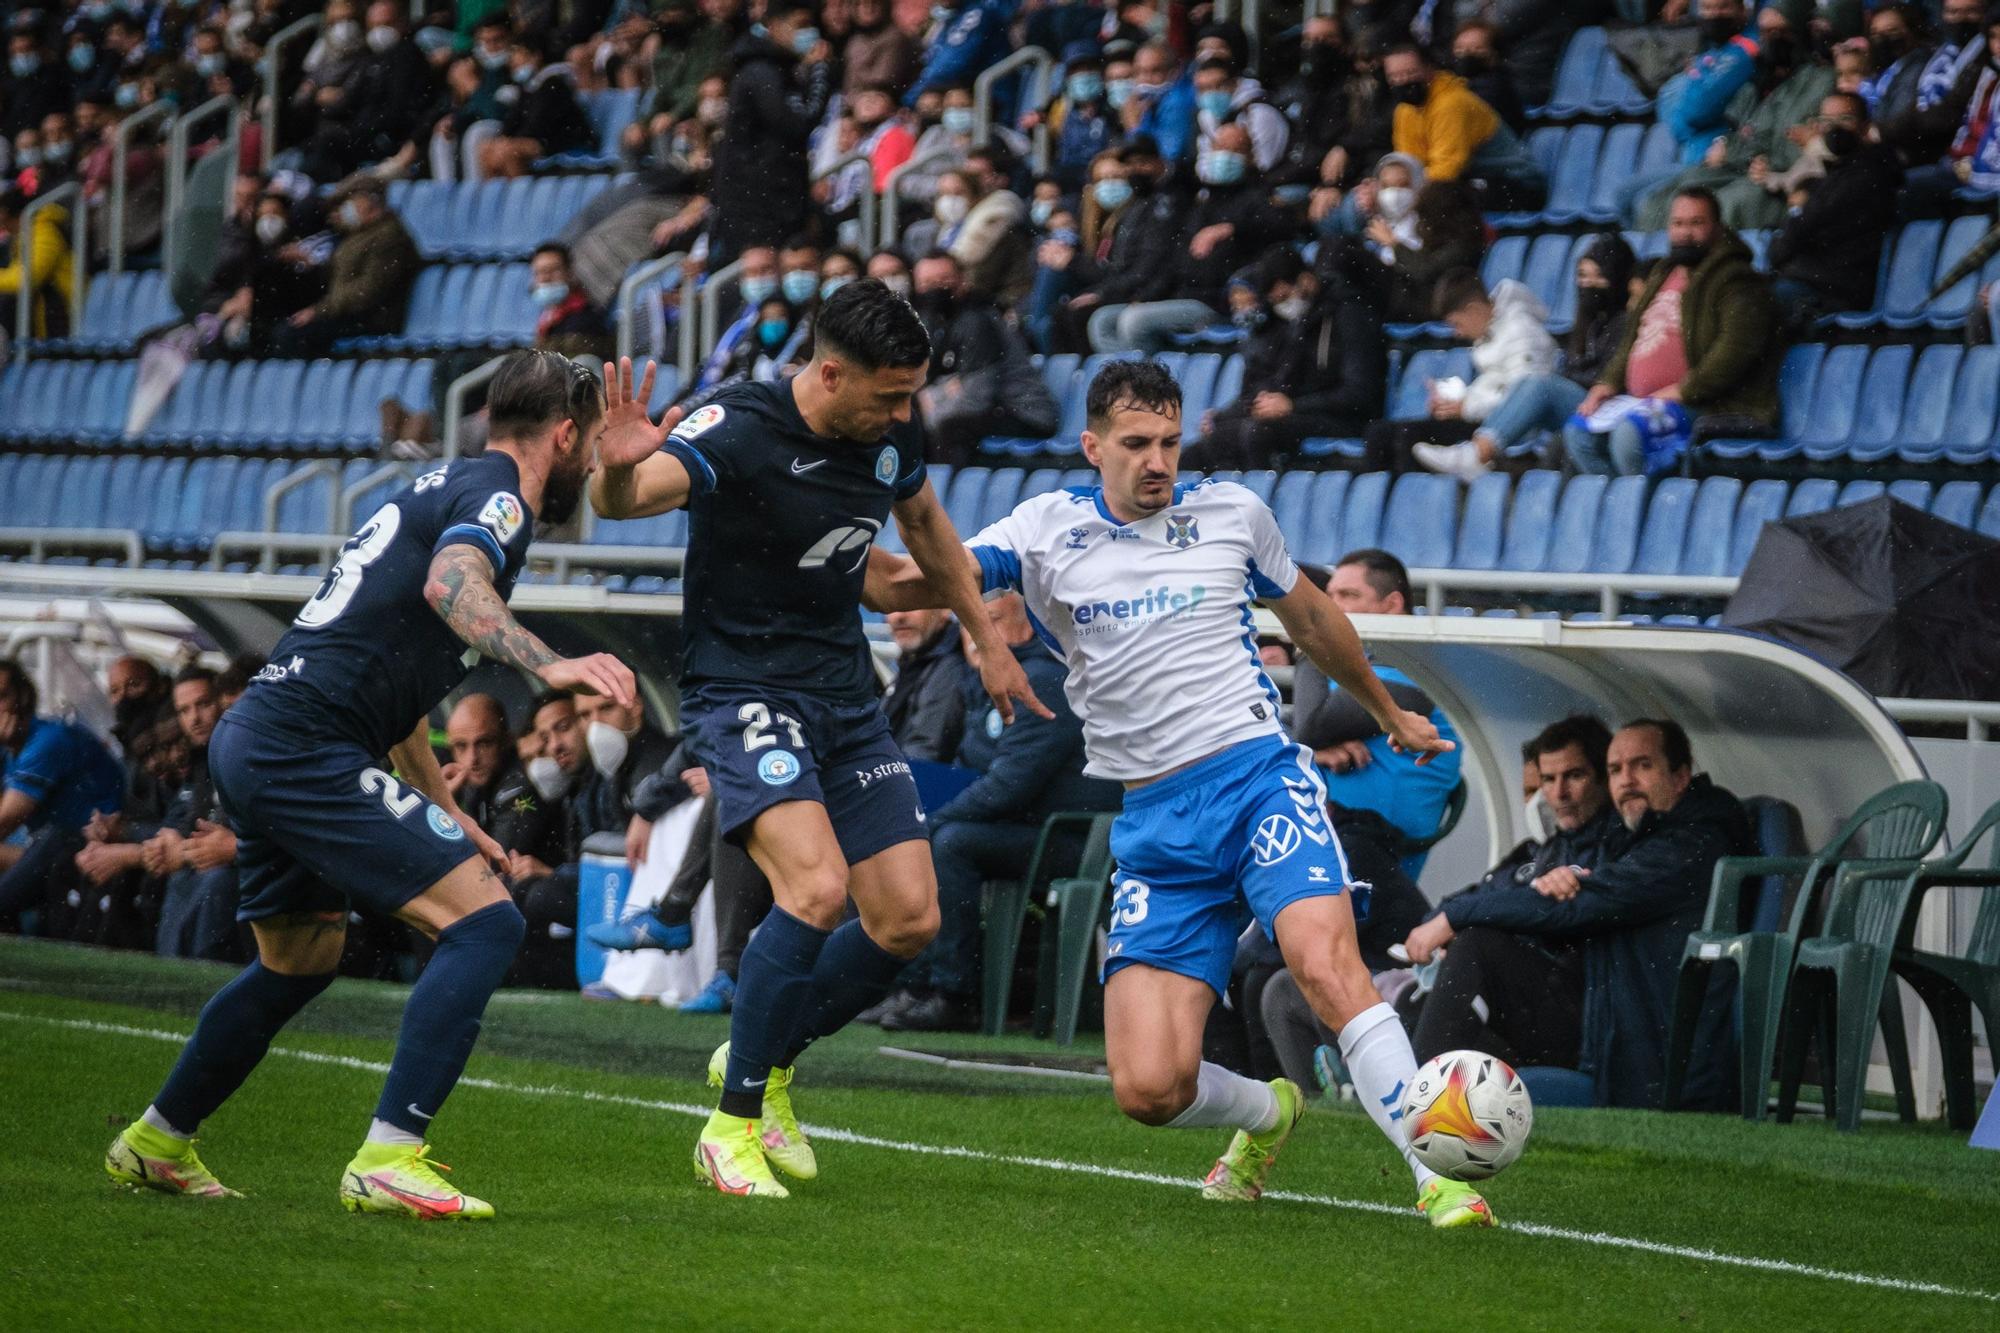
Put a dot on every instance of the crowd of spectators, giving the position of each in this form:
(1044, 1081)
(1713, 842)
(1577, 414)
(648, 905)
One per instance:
(1288, 192)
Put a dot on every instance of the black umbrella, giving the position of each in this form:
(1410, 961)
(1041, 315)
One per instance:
(1907, 604)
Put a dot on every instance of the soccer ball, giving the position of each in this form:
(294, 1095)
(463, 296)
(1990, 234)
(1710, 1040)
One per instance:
(1467, 1115)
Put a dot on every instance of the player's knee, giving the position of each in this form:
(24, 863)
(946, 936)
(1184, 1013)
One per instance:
(499, 926)
(816, 895)
(1337, 989)
(911, 932)
(1153, 1096)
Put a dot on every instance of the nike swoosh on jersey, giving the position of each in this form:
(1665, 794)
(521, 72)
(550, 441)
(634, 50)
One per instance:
(797, 469)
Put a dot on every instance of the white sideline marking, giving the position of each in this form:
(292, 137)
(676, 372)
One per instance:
(831, 1134)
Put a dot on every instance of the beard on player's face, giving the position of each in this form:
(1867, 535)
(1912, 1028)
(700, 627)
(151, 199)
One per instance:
(564, 489)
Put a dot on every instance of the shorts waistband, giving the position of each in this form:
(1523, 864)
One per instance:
(1206, 771)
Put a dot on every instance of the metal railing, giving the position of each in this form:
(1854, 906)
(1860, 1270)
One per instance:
(343, 506)
(688, 353)
(270, 544)
(1610, 589)
(1981, 719)
(37, 541)
(272, 70)
(275, 494)
(177, 169)
(24, 242)
(562, 557)
(628, 295)
(982, 99)
(711, 307)
(454, 400)
(892, 198)
(121, 149)
(865, 200)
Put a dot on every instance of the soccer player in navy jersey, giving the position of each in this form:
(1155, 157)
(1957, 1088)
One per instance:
(418, 593)
(787, 486)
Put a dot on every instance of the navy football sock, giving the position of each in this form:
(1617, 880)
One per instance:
(774, 985)
(234, 1031)
(441, 1018)
(853, 972)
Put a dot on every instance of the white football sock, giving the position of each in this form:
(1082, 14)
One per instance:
(159, 1122)
(1381, 1063)
(1225, 1099)
(381, 1131)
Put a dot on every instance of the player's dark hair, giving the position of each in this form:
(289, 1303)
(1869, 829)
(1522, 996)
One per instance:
(1455, 291)
(543, 700)
(1386, 574)
(1673, 741)
(871, 328)
(1582, 730)
(195, 674)
(535, 390)
(16, 683)
(1147, 385)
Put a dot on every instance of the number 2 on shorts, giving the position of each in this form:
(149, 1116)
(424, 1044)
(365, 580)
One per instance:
(757, 723)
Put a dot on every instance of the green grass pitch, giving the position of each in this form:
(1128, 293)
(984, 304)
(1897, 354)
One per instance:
(948, 1199)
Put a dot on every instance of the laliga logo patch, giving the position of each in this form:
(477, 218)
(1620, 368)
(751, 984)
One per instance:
(886, 464)
(702, 422)
(503, 514)
(1181, 531)
(778, 767)
(444, 825)
(1277, 838)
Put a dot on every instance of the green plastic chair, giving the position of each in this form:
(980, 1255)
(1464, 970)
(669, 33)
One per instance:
(1079, 904)
(1839, 988)
(1949, 985)
(1901, 823)
(1007, 906)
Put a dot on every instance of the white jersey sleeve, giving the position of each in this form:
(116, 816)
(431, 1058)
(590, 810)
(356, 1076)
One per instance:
(1152, 618)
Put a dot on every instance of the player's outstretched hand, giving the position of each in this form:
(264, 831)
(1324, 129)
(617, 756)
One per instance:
(599, 673)
(630, 437)
(1005, 682)
(1414, 734)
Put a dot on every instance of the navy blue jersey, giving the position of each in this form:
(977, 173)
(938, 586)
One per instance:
(780, 522)
(367, 656)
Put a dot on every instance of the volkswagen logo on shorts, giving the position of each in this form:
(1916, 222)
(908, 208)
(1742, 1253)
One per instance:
(1277, 838)
(444, 825)
(779, 767)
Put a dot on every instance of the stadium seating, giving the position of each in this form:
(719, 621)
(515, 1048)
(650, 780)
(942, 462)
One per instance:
(475, 220)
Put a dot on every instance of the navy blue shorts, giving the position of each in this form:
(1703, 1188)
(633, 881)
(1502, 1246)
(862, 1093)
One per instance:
(764, 747)
(321, 826)
(1242, 833)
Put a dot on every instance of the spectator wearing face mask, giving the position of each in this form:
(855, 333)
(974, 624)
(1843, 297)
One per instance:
(368, 279)
(36, 85)
(216, 72)
(1161, 106)
(331, 63)
(778, 92)
(969, 36)
(1475, 57)
(1382, 207)
(57, 165)
(1080, 118)
(93, 73)
(878, 53)
(1823, 259)
(273, 273)
(1231, 223)
(944, 117)
(1919, 117)
(1443, 124)
(983, 381)
(984, 224)
(543, 117)
(691, 49)
(1540, 402)
(1511, 345)
(491, 784)
(1449, 233)
(569, 322)
(1223, 96)
(1318, 104)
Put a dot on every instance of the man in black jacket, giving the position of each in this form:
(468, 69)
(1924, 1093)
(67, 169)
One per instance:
(983, 380)
(1825, 258)
(1519, 995)
(491, 786)
(988, 831)
(1231, 224)
(926, 701)
(1149, 230)
(777, 95)
(1632, 914)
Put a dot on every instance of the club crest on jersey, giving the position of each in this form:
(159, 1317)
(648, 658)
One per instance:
(1181, 531)
(1277, 838)
(778, 767)
(444, 825)
(503, 514)
(702, 422)
(886, 464)
(994, 726)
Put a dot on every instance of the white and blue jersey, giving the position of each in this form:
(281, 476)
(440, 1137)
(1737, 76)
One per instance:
(1153, 620)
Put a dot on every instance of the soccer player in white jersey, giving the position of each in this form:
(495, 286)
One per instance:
(1144, 588)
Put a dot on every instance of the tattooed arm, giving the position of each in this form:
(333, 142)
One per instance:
(460, 589)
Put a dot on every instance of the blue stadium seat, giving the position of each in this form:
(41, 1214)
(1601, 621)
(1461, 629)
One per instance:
(512, 317)
(36, 498)
(1860, 492)
(1420, 523)
(1949, 310)
(968, 492)
(320, 422)
(425, 210)
(1481, 525)
(1616, 165)
(1574, 177)
(1956, 502)
(1410, 401)
(1198, 376)
(1618, 521)
(361, 422)
(1763, 502)
(104, 412)
(1076, 478)
(1003, 492)
(1796, 378)
(243, 504)
(1989, 515)
(127, 485)
(1575, 87)
(1039, 482)
(436, 299)
(1900, 300)
(1228, 383)
(1548, 269)
(307, 507)
(1562, 315)
(1361, 515)
(1711, 527)
(1574, 534)
(1528, 525)
(231, 422)
(1615, 93)
(1663, 538)
(1503, 261)
(78, 492)
(1919, 438)
(1259, 483)
(176, 416)
(1879, 413)
(1658, 151)
(1912, 492)
(157, 513)
(1814, 495)
(277, 402)
(1968, 431)
(1321, 540)
(1290, 505)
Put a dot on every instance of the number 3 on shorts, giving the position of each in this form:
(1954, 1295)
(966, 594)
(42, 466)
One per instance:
(1128, 904)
